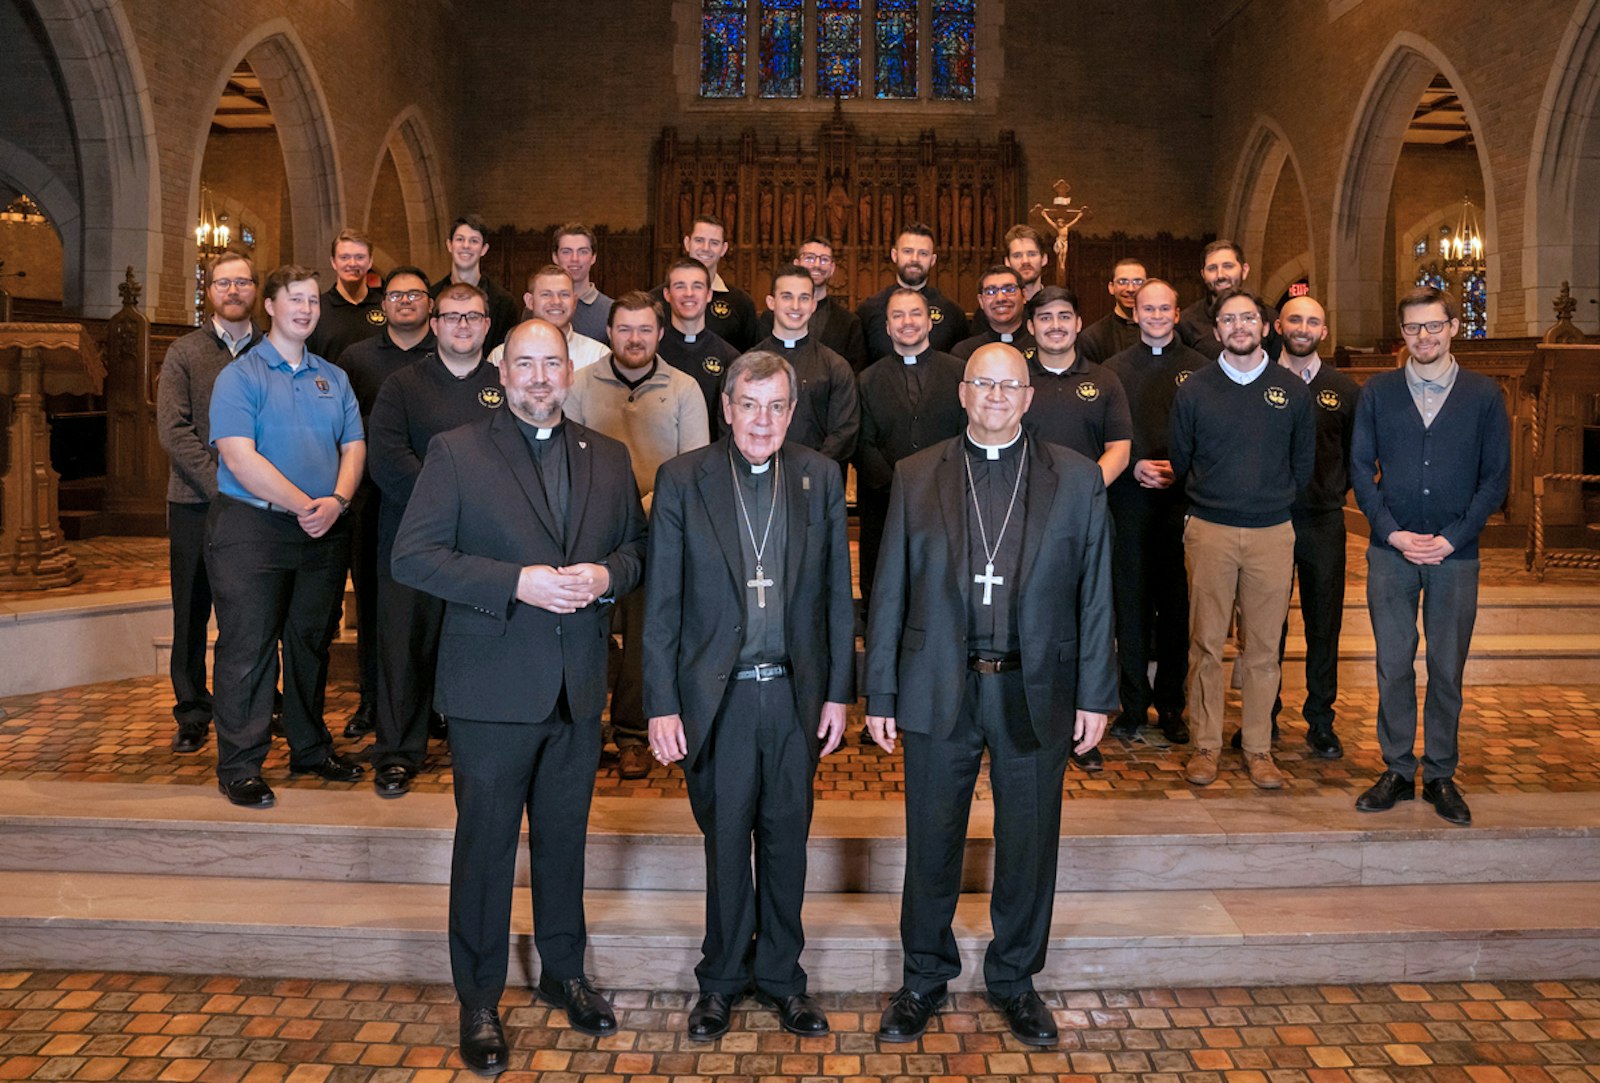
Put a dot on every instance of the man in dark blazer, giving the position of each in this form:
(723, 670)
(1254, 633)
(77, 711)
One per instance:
(749, 664)
(528, 526)
(990, 626)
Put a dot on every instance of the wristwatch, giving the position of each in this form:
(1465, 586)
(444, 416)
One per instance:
(344, 505)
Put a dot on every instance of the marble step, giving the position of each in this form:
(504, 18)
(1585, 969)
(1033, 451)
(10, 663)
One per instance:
(650, 939)
(639, 843)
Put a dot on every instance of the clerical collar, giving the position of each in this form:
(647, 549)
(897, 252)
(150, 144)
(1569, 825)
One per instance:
(909, 358)
(537, 432)
(1007, 336)
(750, 467)
(1157, 349)
(788, 343)
(992, 451)
(689, 336)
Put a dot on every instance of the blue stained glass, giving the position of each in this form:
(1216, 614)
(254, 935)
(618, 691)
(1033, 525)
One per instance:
(838, 48)
(1475, 306)
(722, 48)
(954, 58)
(896, 38)
(783, 44)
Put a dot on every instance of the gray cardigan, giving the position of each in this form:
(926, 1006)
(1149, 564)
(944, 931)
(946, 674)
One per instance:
(183, 412)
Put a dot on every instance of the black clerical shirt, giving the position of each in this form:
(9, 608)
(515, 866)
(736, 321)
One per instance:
(992, 628)
(764, 639)
(550, 465)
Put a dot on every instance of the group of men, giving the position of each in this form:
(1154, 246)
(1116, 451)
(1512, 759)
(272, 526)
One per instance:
(1048, 513)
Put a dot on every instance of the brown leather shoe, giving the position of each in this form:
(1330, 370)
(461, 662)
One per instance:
(1201, 770)
(633, 761)
(1263, 772)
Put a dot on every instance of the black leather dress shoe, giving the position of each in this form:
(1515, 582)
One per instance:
(392, 781)
(334, 768)
(1173, 728)
(483, 1041)
(363, 722)
(438, 728)
(799, 1014)
(1126, 727)
(908, 1013)
(1323, 742)
(1027, 1017)
(191, 736)
(1090, 761)
(252, 792)
(586, 1009)
(710, 1017)
(1447, 801)
(1382, 794)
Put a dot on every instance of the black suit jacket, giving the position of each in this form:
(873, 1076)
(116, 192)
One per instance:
(694, 598)
(917, 627)
(476, 517)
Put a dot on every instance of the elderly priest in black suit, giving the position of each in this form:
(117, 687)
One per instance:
(528, 526)
(749, 662)
(990, 627)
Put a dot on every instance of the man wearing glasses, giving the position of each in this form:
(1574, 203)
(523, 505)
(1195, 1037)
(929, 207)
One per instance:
(1000, 299)
(1440, 434)
(183, 424)
(990, 628)
(749, 665)
(449, 387)
(405, 338)
(1116, 330)
(1243, 446)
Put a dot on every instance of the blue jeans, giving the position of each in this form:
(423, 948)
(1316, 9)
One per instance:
(1448, 593)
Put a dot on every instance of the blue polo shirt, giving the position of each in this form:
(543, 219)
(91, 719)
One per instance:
(297, 416)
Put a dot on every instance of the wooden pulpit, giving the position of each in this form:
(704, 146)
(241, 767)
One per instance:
(38, 359)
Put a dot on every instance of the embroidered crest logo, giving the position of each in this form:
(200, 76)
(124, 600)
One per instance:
(1029, 353)
(1276, 397)
(491, 397)
(376, 317)
(1328, 399)
(721, 309)
(1182, 376)
(935, 313)
(1088, 392)
(712, 365)
(322, 385)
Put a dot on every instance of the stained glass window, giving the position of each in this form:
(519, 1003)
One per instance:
(722, 46)
(896, 40)
(954, 60)
(783, 47)
(838, 48)
(1475, 306)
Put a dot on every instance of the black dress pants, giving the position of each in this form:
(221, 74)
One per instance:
(1319, 572)
(1026, 779)
(1150, 595)
(752, 785)
(873, 507)
(502, 769)
(191, 612)
(408, 650)
(363, 518)
(271, 581)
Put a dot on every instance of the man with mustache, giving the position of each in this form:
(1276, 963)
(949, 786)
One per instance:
(528, 526)
(1025, 254)
(1000, 300)
(183, 424)
(1223, 269)
(1438, 435)
(913, 258)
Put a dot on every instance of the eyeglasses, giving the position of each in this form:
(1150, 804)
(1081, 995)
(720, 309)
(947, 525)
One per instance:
(451, 319)
(394, 297)
(1007, 290)
(1125, 283)
(986, 383)
(750, 407)
(227, 285)
(819, 261)
(1433, 327)
(1242, 319)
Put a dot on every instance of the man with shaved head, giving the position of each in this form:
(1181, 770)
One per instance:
(529, 526)
(990, 628)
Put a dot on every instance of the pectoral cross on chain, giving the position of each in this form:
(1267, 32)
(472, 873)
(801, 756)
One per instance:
(761, 583)
(989, 581)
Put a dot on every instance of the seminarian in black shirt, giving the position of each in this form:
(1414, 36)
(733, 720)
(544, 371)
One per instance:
(1224, 269)
(1117, 329)
(833, 325)
(468, 243)
(687, 344)
(913, 258)
(350, 310)
(827, 413)
(1000, 303)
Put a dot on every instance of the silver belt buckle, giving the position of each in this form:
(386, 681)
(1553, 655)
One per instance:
(766, 671)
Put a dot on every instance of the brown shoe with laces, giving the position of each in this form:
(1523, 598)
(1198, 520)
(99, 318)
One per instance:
(1263, 772)
(1201, 770)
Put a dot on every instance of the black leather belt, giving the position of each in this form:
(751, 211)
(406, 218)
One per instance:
(262, 505)
(1004, 664)
(762, 671)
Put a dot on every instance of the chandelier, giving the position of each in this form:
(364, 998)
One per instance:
(23, 209)
(1462, 250)
(212, 232)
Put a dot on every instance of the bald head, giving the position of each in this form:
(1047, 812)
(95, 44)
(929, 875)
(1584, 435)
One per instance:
(1303, 325)
(995, 393)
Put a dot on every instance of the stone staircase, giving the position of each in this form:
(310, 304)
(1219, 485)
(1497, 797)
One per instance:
(1267, 889)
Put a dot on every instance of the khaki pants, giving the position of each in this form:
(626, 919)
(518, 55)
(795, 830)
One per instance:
(1252, 567)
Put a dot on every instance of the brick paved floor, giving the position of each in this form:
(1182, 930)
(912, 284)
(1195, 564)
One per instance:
(1514, 739)
(57, 1025)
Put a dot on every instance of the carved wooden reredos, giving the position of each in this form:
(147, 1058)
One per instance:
(857, 191)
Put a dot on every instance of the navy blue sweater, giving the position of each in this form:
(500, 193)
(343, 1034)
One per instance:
(1243, 452)
(1445, 479)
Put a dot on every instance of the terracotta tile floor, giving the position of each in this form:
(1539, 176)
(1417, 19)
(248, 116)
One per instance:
(1514, 739)
(137, 1026)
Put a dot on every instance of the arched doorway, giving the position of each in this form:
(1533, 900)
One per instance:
(1268, 212)
(1363, 266)
(406, 214)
